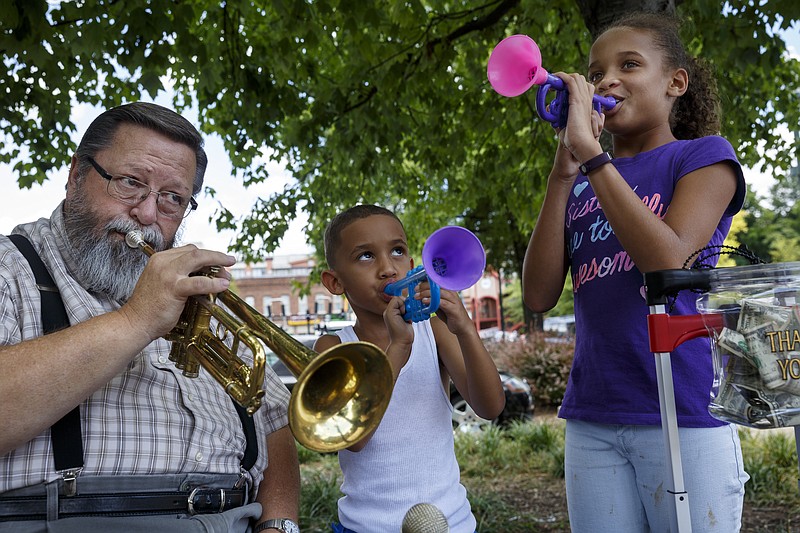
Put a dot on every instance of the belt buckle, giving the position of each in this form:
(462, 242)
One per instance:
(205, 502)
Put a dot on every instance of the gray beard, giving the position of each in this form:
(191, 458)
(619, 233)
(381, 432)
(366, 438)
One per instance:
(106, 265)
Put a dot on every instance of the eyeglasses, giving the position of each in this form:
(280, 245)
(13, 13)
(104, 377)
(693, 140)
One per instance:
(131, 191)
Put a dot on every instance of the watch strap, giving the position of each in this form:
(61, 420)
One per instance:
(595, 163)
(281, 524)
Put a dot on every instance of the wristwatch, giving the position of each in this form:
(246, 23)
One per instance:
(281, 524)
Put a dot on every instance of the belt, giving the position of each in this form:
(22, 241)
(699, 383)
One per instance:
(198, 501)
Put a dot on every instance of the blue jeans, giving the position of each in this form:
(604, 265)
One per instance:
(616, 476)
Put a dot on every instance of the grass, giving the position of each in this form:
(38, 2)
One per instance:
(320, 480)
(770, 458)
(515, 478)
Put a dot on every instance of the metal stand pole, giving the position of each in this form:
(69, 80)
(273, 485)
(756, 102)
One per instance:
(681, 520)
(797, 446)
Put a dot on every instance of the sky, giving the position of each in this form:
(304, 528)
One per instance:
(24, 205)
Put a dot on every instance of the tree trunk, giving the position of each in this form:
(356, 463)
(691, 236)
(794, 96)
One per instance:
(597, 14)
(534, 322)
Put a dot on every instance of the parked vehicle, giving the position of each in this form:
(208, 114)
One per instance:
(333, 323)
(279, 367)
(519, 398)
(519, 406)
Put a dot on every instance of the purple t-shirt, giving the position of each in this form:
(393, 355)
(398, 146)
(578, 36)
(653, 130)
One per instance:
(613, 376)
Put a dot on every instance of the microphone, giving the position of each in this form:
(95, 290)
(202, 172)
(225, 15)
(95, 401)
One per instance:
(425, 518)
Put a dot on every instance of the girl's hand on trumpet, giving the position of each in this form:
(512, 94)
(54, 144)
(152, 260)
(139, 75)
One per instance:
(579, 129)
(584, 124)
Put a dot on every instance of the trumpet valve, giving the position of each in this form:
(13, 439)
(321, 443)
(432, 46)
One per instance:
(191, 367)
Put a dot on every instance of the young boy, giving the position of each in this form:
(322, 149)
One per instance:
(410, 457)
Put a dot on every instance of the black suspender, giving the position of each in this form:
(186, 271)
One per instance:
(66, 433)
(249, 428)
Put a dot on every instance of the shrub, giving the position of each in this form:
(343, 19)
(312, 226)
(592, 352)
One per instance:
(544, 363)
(304, 455)
(771, 460)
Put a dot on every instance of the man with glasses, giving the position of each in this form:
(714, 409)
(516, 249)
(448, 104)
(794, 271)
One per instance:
(100, 430)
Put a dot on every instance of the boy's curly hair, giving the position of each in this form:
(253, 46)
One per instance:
(696, 113)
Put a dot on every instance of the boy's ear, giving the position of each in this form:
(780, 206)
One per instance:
(679, 83)
(331, 282)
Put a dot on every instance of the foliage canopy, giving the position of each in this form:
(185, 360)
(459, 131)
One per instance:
(375, 101)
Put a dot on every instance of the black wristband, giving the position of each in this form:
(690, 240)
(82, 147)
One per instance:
(595, 163)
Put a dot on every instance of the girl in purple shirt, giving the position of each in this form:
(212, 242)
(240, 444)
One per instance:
(671, 187)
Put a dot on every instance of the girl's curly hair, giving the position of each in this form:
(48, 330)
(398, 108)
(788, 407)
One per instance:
(697, 112)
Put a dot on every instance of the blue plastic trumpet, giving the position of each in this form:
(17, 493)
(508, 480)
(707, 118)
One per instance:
(452, 258)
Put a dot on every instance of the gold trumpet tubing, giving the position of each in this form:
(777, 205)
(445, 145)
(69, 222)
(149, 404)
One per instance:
(237, 378)
(239, 332)
(182, 334)
(274, 337)
(241, 382)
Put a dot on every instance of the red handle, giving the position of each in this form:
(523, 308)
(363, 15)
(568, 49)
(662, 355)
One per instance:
(667, 332)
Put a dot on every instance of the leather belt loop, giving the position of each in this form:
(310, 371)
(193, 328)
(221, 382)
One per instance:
(52, 500)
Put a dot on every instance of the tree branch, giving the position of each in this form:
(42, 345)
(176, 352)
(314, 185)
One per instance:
(477, 24)
(503, 7)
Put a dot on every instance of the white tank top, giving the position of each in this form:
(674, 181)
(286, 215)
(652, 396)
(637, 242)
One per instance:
(410, 458)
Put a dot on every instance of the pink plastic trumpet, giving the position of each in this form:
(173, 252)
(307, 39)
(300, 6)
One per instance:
(515, 65)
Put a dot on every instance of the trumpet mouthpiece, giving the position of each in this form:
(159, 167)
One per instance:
(134, 239)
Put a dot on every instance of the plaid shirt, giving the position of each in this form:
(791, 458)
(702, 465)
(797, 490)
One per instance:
(149, 419)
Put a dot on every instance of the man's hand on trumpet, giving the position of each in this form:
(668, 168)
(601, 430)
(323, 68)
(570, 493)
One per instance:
(168, 280)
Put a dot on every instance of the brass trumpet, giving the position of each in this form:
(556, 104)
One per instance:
(340, 395)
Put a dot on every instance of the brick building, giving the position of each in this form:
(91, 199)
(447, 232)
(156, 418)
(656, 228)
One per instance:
(271, 288)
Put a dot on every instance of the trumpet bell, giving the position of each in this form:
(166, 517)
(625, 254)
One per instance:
(341, 396)
(454, 258)
(515, 65)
